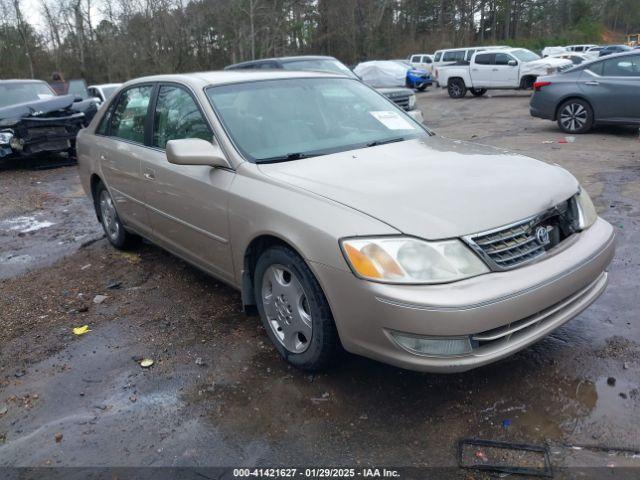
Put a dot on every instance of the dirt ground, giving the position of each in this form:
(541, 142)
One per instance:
(217, 394)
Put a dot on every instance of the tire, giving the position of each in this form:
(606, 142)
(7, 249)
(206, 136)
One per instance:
(111, 223)
(422, 87)
(457, 88)
(294, 311)
(575, 116)
(478, 92)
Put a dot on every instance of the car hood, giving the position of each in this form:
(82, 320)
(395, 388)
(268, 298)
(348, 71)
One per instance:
(544, 65)
(37, 107)
(433, 188)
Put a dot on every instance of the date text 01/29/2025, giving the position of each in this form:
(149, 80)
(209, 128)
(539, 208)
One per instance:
(315, 473)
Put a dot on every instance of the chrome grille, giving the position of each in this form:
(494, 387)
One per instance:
(522, 242)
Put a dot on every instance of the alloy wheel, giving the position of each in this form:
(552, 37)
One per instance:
(573, 117)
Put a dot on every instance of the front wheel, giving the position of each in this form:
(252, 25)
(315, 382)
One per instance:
(294, 310)
(422, 87)
(457, 88)
(478, 92)
(575, 116)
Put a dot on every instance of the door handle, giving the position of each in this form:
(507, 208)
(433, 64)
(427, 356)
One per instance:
(495, 69)
(149, 174)
(592, 82)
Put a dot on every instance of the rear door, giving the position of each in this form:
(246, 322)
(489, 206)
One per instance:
(187, 204)
(120, 148)
(613, 88)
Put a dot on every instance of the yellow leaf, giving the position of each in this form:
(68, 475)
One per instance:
(81, 330)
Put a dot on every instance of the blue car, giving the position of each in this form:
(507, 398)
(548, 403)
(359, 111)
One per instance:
(416, 78)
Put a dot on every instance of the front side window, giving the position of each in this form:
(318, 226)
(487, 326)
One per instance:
(437, 57)
(130, 114)
(502, 59)
(596, 68)
(177, 116)
(622, 67)
(485, 58)
(289, 119)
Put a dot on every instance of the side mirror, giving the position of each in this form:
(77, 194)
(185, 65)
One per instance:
(512, 63)
(195, 151)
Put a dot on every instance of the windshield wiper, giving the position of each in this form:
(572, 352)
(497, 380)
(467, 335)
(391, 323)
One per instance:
(288, 156)
(384, 142)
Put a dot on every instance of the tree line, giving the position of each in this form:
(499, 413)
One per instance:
(115, 40)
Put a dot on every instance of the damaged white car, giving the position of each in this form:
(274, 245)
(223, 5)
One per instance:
(509, 69)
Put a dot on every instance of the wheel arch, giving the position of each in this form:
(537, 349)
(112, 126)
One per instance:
(252, 252)
(572, 97)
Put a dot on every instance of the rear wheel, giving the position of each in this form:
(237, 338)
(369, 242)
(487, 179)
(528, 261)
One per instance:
(113, 227)
(294, 310)
(422, 87)
(457, 88)
(575, 116)
(478, 92)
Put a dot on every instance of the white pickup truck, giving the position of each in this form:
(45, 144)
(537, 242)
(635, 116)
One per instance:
(507, 68)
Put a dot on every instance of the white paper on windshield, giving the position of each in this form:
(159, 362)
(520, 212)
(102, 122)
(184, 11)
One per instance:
(392, 120)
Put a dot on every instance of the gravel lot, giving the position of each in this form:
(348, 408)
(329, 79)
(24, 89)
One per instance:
(217, 393)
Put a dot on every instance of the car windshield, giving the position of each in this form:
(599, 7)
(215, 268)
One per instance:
(525, 55)
(289, 119)
(319, 65)
(108, 91)
(13, 93)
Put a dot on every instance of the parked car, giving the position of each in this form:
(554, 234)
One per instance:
(610, 49)
(78, 89)
(103, 91)
(574, 57)
(509, 68)
(422, 61)
(605, 91)
(34, 120)
(402, 97)
(580, 48)
(548, 51)
(392, 73)
(344, 222)
(456, 56)
(593, 52)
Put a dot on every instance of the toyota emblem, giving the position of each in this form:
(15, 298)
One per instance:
(542, 236)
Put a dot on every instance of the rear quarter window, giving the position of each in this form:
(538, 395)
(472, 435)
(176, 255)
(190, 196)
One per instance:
(485, 58)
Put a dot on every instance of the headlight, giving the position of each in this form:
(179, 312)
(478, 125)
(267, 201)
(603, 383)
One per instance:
(412, 101)
(5, 138)
(410, 260)
(587, 214)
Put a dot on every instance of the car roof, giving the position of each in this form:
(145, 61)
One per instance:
(222, 77)
(21, 80)
(101, 85)
(295, 58)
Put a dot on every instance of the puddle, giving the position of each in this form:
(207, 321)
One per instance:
(25, 224)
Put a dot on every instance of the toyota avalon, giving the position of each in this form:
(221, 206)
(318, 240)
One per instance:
(344, 222)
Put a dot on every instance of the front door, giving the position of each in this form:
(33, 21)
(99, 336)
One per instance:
(187, 204)
(505, 75)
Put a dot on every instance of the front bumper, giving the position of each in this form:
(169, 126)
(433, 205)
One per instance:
(508, 310)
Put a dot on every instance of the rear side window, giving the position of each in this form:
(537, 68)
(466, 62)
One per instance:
(426, 59)
(130, 114)
(415, 59)
(177, 116)
(455, 56)
(469, 54)
(622, 67)
(485, 58)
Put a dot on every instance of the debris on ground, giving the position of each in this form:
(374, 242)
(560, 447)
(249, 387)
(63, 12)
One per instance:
(611, 381)
(548, 141)
(146, 363)
(504, 457)
(98, 299)
(200, 362)
(81, 330)
(130, 257)
(506, 422)
(58, 437)
(84, 267)
(114, 285)
(3, 410)
(19, 373)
